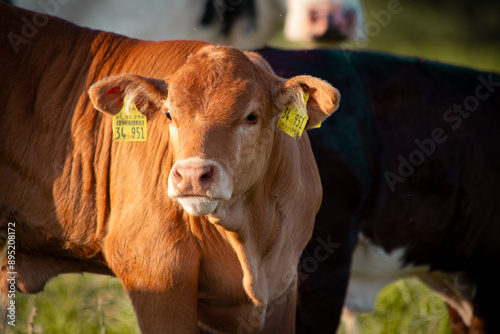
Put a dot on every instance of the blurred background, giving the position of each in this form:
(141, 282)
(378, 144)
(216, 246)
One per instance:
(460, 32)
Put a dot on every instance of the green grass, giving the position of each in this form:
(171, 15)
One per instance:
(96, 304)
(454, 32)
(405, 307)
(76, 304)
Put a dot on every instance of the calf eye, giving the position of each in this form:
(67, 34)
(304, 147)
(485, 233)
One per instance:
(167, 113)
(251, 119)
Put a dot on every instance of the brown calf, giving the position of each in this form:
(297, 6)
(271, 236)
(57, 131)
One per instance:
(204, 221)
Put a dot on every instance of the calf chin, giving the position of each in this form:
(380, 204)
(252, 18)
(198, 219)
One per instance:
(197, 205)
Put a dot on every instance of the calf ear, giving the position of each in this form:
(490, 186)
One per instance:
(148, 94)
(259, 61)
(323, 98)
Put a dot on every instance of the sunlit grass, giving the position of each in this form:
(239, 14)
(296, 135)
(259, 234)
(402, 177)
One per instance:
(76, 304)
(97, 304)
(406, 306)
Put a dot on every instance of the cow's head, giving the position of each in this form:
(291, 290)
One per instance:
(330, 21)
(222, 107)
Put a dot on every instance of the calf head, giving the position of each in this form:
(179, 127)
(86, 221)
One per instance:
(222, 107)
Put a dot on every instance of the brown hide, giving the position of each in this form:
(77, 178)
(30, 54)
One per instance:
(82, 202)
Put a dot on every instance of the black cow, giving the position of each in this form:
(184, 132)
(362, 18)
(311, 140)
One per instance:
(411, 159)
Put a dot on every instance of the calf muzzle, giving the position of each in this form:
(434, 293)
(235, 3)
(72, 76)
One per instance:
(199, 185)
(194, 181)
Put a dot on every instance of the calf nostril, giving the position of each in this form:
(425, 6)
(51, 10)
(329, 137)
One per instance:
(193, 179)
(177, 175)
(208, 174)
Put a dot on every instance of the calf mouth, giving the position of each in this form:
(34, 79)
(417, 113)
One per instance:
(197, 205)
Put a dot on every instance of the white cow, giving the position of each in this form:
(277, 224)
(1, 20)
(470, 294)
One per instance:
(333, 20)
(246, 24)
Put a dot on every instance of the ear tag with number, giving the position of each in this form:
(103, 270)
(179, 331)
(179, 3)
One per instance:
(129, 124)
(293, 120)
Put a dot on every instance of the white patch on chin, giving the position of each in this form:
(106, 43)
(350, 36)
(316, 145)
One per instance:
(198, 206)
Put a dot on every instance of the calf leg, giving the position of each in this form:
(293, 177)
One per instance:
(280, 313)
(161, 310)
(159, 274)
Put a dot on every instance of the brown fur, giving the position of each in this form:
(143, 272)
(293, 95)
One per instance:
(82, 202)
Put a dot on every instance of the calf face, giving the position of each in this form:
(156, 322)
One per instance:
(222, 106)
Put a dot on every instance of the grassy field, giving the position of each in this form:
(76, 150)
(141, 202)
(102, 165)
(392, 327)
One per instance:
(94, 304)
(76, 304)
(451, 32)
(457, 32)
(406, 306)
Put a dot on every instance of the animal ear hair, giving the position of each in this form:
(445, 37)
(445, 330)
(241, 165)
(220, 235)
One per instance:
(108, 94)
(323, 98)
(259, 61)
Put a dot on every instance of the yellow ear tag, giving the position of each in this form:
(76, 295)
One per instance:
(293, 120)
(317, 126)
(129, 124)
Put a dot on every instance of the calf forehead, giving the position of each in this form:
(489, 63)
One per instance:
(223, 102)
(217, 82)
